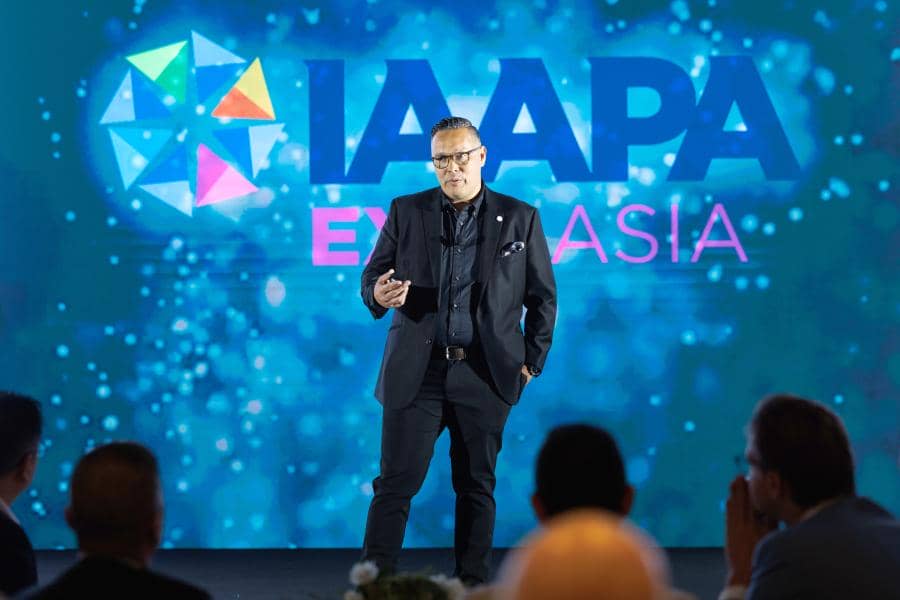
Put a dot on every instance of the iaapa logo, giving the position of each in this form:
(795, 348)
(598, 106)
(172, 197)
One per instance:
(191, 124)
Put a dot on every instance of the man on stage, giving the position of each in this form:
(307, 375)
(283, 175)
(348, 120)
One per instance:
(456, 263)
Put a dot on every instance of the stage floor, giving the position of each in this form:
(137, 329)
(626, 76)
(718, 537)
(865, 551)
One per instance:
(322, 573)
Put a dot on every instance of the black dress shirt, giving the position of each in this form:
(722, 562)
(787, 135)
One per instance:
(459, 272)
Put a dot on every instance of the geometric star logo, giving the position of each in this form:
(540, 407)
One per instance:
(191, 124)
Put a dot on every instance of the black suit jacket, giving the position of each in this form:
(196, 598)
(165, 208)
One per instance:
(410, 243)
(848, 550)
(17, 566)
(101, 578)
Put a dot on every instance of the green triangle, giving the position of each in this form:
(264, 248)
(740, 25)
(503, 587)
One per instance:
(153, 62)
(174, 78)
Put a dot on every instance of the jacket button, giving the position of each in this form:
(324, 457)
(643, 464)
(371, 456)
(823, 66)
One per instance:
(427, 340)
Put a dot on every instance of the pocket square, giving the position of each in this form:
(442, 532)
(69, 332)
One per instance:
(511, 248)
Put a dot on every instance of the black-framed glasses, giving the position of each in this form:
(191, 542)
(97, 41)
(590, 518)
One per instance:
(460, 158)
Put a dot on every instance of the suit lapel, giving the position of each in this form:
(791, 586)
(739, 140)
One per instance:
(492, 229)
(430, 212)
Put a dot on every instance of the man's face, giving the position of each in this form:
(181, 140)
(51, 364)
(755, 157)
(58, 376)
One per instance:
(764, 486)
(459, 182)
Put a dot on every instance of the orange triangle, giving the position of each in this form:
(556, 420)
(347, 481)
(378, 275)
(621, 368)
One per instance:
(237, 105)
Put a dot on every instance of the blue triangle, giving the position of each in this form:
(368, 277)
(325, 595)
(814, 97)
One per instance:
(131, 162)
(176, 194)
(207, 53)
(147, 104)
(146, 141)
(211, 79)
(237, 142)
(121, 107)
(173, 168)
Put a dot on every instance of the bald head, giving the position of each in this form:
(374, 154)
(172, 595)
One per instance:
(117, 501)
(585, 554)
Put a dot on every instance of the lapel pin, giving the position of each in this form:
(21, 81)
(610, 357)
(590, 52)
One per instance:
(499, 218)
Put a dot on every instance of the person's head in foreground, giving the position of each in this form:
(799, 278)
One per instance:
(799, 457)
(116, 507)
(580, 466)
(584, 555)
(458, 156)
(20, 436)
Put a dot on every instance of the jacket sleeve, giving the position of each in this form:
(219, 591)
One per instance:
(383, 258)
(540, 296)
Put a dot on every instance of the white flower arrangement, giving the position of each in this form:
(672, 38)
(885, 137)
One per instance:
(365, 578)
(363, 573)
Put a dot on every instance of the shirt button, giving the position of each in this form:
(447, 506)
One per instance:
(456, 278)
(453, 333)
(456, 306)
(427, 340)
(459, 250)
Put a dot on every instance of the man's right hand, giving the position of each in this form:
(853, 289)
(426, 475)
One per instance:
(391, 293)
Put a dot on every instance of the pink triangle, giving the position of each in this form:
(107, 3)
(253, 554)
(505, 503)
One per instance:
(210, 168)
(230, 184)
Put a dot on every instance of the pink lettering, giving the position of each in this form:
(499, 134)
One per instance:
(323, 236)
(620, 221)
(731, 242)
(565, 242)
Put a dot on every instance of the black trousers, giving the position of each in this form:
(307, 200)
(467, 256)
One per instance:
(454, 395)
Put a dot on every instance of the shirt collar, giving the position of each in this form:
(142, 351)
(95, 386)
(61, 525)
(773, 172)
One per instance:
(475, 205)
(5, 509)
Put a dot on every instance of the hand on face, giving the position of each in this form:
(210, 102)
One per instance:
(389, 292)
(743, 530)
(459, 182)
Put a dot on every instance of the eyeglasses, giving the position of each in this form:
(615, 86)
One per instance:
(460, 158)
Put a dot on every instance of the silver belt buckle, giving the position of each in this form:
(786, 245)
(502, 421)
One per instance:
(449, 348)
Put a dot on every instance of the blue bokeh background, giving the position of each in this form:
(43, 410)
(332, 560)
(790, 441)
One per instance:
(250, 372)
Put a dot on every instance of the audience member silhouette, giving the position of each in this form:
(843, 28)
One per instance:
(20, 435)
(116, 512)
(834, 544)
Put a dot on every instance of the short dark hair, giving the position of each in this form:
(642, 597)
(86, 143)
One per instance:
(115, 493)
(580, 466)
(20, 429)
(455, 123)
(807, 445)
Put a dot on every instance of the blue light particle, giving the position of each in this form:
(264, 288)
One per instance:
(110, 423)
(103, 391)
(55, 399)
(111, 221)
(81, 92)
(109, 330)
(70, 215)
(84, 419)
(45, 115)
(795, 214)
(714, 273)
(705, 25)
(839, 187)
(769, 229)
(655, 400)
(884, 185)
(824, 79)
(748, 43)
(762, 282)
(92, 366)
(56, 154)
(749, 223)
(674, 28)
(688, 337)
(856, 139)
(62, 351)
(838, 399)
(61, 307)
(848, 89)
(838, 140)
(130, 339)
(689, 426)
(741, 283)
(55, 137)
(825, 195)
(895, 54)
(114, 260)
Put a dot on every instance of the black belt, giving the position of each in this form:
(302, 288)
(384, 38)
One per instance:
(450, 352)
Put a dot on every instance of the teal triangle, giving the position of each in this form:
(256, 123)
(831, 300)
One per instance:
(735, 120)
(237, 142)
(210, 79)
(121, 107)
(176, 194)
(207, 53)
(147, 104)
(131, 162)
(173, 168)
(146, 141)
(262, 138)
